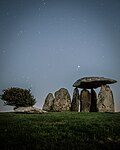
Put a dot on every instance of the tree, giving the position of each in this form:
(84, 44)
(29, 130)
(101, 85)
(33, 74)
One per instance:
(18, 97)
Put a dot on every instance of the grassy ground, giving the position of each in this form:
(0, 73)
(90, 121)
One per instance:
(61, 131)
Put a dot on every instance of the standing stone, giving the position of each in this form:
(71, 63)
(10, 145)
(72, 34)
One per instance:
(105, 99)
(75, 100)
(93, 107)
(48, 105)
(85, 101)
(62, 100)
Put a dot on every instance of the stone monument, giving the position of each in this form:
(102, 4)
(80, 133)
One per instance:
(89, 101)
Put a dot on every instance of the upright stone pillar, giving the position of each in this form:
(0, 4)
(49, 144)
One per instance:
(93, 107)
(105, 99)
(75, 100)
(49, 101)
(85, 101)
(62, 100)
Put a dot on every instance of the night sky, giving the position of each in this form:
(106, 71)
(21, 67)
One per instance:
(49, 44)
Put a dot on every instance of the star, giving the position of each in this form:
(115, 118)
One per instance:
(20, 32)
(85, 20)
(4, 51)
(7, 13)
(30, 87)
(78, 67)
(48, 65)
(27, 79)
(73, 19)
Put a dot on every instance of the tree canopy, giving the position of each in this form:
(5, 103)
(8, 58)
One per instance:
(18, 97)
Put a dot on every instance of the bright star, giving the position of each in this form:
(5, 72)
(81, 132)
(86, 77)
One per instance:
(78, 67)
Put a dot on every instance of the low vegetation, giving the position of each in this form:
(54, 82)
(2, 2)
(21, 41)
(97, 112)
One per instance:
(61, 131)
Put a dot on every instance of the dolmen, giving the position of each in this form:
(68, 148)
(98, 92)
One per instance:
(89, 101)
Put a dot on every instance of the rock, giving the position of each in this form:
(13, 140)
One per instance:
(29, 110)
(92, 82)
(75, 100)
(49, 101)
(62, 100)
(93, 107)
(85, 101)
(105, 99)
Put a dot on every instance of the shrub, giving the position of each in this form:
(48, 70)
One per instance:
(18, 97)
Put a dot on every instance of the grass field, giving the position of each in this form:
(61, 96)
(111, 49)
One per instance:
(61, 131)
